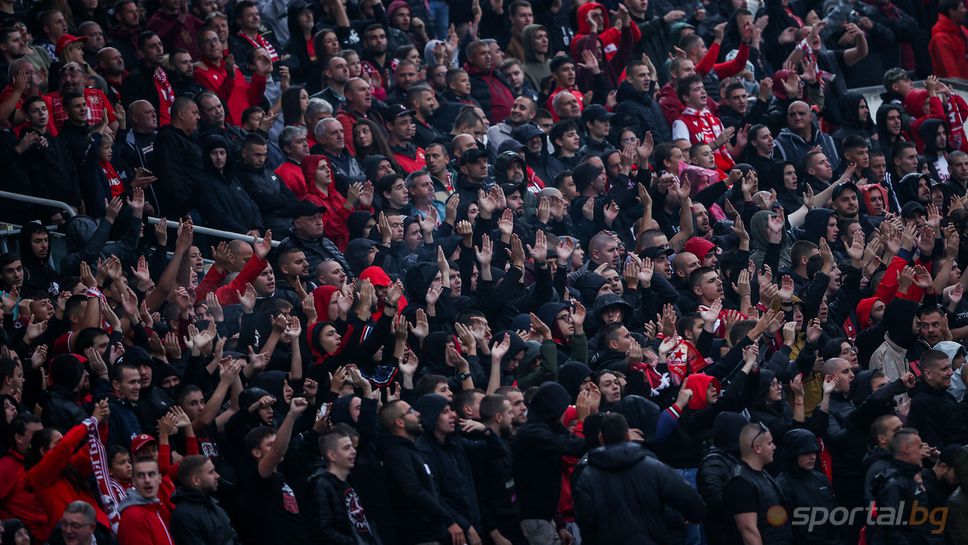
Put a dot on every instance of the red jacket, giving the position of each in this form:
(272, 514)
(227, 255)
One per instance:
(610, 36)
(292, 175)
(948, 48)
(229, 294)
(16, 502)
(143, 522)
(53, 478)
(237, 92)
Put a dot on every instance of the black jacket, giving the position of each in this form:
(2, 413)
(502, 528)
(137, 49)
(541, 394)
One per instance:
(316, 251)
(226, 205)
(177, 164)
(329, 519)
(537, 449)
(140, 85)
(61, 411)
(622, 496)
(936, 415)
(802, 488)
(640, 112)
(274, 199)
(199, 520)
(897, 489)
(420, 513)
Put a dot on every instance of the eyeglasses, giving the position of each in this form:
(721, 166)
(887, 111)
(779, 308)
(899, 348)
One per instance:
(70, 525)
(763, 429)
(849, 350)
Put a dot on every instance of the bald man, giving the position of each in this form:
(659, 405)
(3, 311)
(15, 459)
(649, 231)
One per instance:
(801, 134)
(752, 495)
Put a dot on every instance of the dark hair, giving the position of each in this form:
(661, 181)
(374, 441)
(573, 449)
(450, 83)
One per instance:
(256, 435)
(559, 61)
(116, 373)
(427, 384)
(463, 399)
(614, 429)
(116, 450)
(7, 367)
(85, 338)
(253, 139)
(684, 84)
(695, 277)
(854, 141)
(249, 112)
(735, 86)
(491, 406)
(144, 37)
(188, 468)
(947, 6)
(559, 129)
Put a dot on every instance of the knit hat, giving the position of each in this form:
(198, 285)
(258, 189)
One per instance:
(699, 247)
(584, 174)
(66, 371)
(430, 406)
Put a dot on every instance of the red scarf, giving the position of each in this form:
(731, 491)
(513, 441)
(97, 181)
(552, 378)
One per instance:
(258, 42)
(101, 467)
(703, 128)
(166, 95)
(114, 181)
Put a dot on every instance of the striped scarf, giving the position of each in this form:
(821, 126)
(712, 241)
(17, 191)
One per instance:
(100, 464)
(258, 42)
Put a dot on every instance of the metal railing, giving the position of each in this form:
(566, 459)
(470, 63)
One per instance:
(71, 212)
(208, 231)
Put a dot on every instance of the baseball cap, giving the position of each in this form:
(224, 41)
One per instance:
(843, 187)
(66, 40)
(526, 132)
(653, 252)
(306, 208)
(141, 441)
(471, 155)
(894, 75)
(596, 112)
(510, 145)
(398, 110)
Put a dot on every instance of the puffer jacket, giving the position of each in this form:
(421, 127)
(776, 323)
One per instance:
(199, 520)
(641, 113)
(491, 92)
(624, 495)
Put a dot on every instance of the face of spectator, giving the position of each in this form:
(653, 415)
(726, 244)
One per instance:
(254, 155)
(907, 162)
(249, 19)
(540, 42)
(359, 96)
(13, 274)
(153, 51)
(397, 196)
(514, 76)
(710, 287)
(95, 38)
(476, 170)
(422, 190)
(403, 128)
(846, 204)
(565, 76)
(383, 169)
(893, 122)
(436, 158)
(739, 100)
(843, 376)
(338, 71)
(13, 47)
(56, 27)
(129, 15)
(212, 111)
(207, 478)
(820, 167)
(129, 387)
(406, 75)
(147, 479)
(309, 227)
(219, 157)
(76, 529)
(77, 110)
(638, 77)
(704, 157)
(929, 326)
(298, 149)
(860, 155)
(401, 19)
(331, 273)
(480, 58)
(568, 107)
(609, 384)
(375, 41)
(265, 283)
(210, 46)
(798, 117)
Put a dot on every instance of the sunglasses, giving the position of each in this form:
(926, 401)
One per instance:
(763, 429)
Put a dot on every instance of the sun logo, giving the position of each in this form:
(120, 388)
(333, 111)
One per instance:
(776, 515)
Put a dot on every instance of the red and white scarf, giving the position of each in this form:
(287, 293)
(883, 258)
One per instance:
(704, 128)
(258, 42)
(164, 85)
(99, 462)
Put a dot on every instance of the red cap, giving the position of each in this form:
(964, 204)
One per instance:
(67, 40)
(141, 441)
(699, 246)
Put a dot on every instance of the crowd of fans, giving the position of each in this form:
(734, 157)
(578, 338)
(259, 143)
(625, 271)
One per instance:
(504, 272)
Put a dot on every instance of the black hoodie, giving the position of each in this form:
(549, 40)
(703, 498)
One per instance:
(808, 488)
(717, 466)
(537, 449)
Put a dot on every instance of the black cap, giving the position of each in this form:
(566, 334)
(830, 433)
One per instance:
(471, 155)
(306, 208)
(526, 132)
(653, 252)
(596, 112)
(584, 174)
(510, 145)
(912, 209)
(398, 110)
(948, 454)
(843, 187)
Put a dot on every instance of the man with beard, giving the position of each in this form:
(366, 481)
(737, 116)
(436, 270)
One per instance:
(400, 131)
(213, 123)
(423, 101)
(410, 482)
(291, 269)
(375, 60)
(522, 112)
(359, 103)
(73, 79)
(336, 74)
(110, 64)
(182, 73)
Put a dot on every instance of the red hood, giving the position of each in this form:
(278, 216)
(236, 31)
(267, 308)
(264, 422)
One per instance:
(699, 383)
(322, 296)
(944, 24)
(864, 311)
(583, 27)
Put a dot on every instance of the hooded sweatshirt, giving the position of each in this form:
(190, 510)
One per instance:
(948, 48)
(143, 521)
(611, 37)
